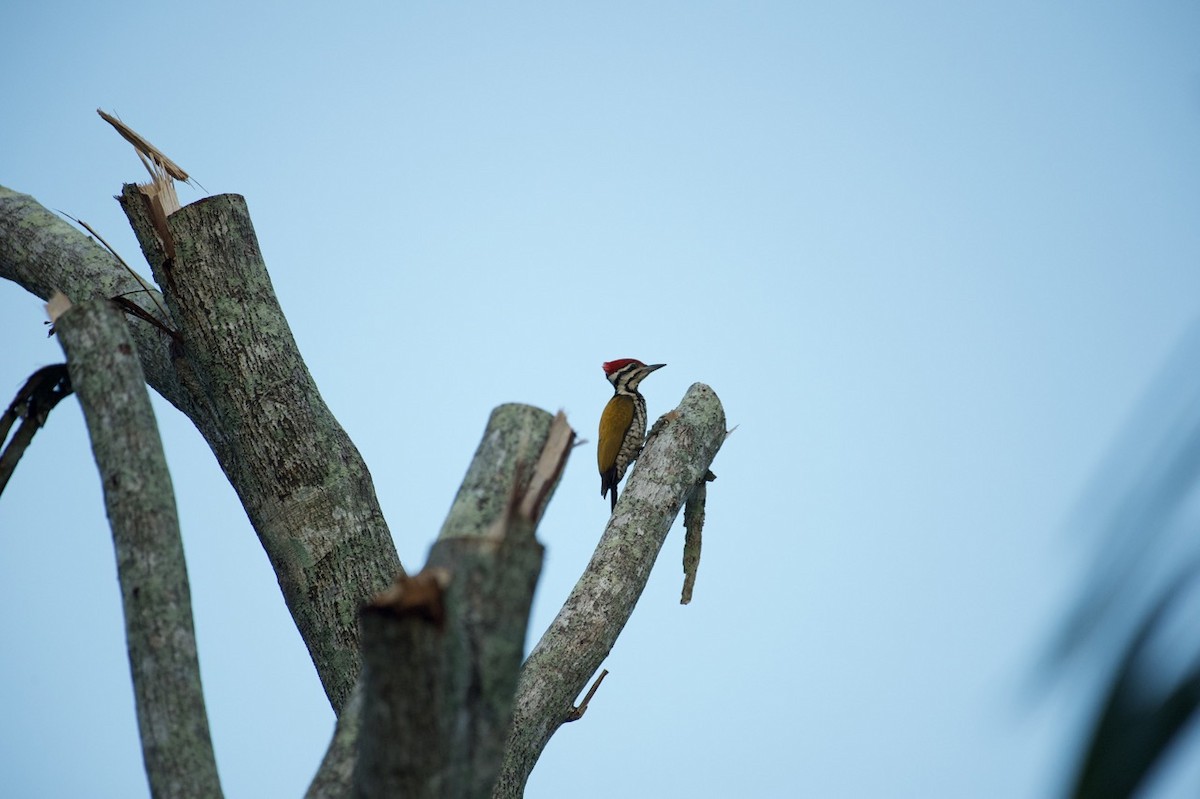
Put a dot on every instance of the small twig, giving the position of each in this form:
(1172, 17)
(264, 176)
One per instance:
(145, 286)
(576, 713)
(131, 307)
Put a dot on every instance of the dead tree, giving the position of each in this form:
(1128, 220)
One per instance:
(423, 668)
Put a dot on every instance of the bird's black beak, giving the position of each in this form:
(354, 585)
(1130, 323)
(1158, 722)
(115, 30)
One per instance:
(654, 366)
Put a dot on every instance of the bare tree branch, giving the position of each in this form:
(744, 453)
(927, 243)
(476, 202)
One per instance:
(673, 463)
(335, 777)
(41, 252)
(172, 720)
(497, 483)
(237, 374)
(442, 650)
(512, 443)
(303, 483)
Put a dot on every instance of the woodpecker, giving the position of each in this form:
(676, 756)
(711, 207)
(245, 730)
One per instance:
(623, 423)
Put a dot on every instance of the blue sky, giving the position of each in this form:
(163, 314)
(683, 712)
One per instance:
(930, 256)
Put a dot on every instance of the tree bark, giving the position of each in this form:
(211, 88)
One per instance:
(335, 777)
(672, 465)
(172, 720)
(444, 669)
(302, 481)
(42, 253)
(232, 366)
(442, 650)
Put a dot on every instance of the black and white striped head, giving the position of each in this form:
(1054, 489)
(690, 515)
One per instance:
(626, 373)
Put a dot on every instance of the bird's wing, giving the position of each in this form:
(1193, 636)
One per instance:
(615, 420)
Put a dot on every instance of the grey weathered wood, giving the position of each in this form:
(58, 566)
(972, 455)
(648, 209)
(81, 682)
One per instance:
(693, 525)
(108, 379)
(302, 481)
(514, 435)
(335, 777)
(233, 368)
(442, 650)
(673, 463)
(43, 253)
(235, 371)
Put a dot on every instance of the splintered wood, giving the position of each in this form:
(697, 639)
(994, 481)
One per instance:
(548, 468)
(145, 149)
(57, 305)
(160, 191)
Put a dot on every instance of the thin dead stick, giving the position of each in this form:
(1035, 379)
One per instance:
(577, 712)
(141, 281)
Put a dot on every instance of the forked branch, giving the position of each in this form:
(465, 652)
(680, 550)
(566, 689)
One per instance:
(674, 461)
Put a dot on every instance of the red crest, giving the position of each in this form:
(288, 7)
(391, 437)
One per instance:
(620, 363)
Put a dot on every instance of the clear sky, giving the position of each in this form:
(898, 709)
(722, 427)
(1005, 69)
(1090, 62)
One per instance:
(929, 255)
